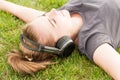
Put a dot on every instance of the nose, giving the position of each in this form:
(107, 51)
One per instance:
(52, 13)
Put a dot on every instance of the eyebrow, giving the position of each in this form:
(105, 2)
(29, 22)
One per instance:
(44, 15)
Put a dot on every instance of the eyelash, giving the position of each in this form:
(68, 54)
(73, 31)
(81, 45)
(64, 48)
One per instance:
(54, 20)
(53, 24)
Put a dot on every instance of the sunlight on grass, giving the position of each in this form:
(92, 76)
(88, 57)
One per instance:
(75, 67)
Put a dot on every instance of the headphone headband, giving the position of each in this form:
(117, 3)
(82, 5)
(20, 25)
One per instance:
(63, 48)
(39, 47)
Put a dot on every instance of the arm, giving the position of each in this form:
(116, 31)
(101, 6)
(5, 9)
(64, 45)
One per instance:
(24, 13)
(107, 58)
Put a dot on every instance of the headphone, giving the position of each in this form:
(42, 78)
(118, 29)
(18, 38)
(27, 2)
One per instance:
(63, 48)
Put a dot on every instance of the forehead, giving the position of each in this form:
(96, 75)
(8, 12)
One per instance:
(40, 24)
(41, 21)
(42, 28)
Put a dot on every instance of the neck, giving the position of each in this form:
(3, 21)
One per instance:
(77, 24)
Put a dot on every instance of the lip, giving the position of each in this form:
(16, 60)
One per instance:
(61, 13)
(64, 13)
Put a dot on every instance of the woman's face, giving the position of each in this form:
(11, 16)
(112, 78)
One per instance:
(52, 26)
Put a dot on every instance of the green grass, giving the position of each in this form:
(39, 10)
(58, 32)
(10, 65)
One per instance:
(75, 67)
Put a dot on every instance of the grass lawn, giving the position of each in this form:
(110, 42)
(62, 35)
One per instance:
(75, 67)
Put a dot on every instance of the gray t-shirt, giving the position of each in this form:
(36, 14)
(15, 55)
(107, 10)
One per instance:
(101, 23)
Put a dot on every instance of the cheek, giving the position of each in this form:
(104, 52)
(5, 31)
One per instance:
(63, 22)
(45, 36)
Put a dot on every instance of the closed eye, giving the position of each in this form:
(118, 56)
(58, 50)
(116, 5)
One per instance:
(52, 22)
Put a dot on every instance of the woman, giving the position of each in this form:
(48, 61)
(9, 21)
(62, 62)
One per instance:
(92, 25)
(37, 33)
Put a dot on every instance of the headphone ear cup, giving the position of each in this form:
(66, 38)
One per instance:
(66, 45)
